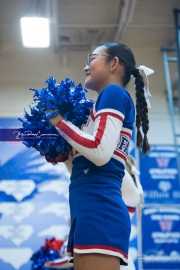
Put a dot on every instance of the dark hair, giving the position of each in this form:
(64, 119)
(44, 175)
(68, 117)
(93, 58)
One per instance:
(127, 59)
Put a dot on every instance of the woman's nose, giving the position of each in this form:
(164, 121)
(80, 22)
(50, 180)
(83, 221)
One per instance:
(86, 68)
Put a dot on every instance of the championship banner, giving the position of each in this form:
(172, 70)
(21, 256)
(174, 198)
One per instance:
(33, 202)
(160, 237)
(159, 175)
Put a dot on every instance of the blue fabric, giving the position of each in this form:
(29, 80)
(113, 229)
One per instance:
(113, 171)
(113, 97)
(117, 98)
(99, 216)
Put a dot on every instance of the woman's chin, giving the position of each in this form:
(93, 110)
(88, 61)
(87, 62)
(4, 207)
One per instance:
(87, 84)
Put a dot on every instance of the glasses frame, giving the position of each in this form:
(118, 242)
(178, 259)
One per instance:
(89, 60)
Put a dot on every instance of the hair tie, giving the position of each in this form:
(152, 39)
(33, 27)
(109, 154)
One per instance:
(147, 71)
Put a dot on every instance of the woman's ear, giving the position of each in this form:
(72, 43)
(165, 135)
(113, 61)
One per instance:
(115, 63)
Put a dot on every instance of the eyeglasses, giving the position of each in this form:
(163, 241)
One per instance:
(90, 57)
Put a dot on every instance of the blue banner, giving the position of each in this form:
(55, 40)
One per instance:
(159, 175)
(161, 237)
(33, 202)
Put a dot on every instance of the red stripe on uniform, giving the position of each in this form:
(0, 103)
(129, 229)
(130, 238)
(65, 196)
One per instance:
(126, 133)
(102, 247)
(58, 263)
(111, 114)
(120, 155)
(92, 115)
(131, 209)
(81, 140)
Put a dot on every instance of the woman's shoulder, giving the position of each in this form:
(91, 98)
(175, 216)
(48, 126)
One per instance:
(114, 88)
(116, 92)
(116, 97)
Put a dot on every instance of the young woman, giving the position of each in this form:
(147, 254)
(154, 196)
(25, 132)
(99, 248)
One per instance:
(100, 223)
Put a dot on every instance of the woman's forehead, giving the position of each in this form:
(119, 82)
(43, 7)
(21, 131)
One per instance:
(99, 50)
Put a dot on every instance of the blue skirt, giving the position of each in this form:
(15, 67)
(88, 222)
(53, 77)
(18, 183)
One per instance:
(100, 222)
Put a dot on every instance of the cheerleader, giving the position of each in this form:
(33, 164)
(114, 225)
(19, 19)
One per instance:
(100, 223)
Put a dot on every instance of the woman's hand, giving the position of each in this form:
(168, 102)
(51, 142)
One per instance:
(54, 120)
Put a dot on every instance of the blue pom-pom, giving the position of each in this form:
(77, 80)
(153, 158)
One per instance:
(68, 100)
(41, 256)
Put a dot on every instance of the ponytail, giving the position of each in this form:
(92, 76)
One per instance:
(142, 120)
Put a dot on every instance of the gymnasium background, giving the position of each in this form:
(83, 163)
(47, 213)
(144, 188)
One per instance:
(33, 193)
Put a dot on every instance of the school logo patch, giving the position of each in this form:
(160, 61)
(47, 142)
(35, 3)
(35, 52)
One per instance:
(124, 144)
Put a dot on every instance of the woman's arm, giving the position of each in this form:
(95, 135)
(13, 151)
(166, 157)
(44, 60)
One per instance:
(131, 194)
(104, 138)
(98, 147)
